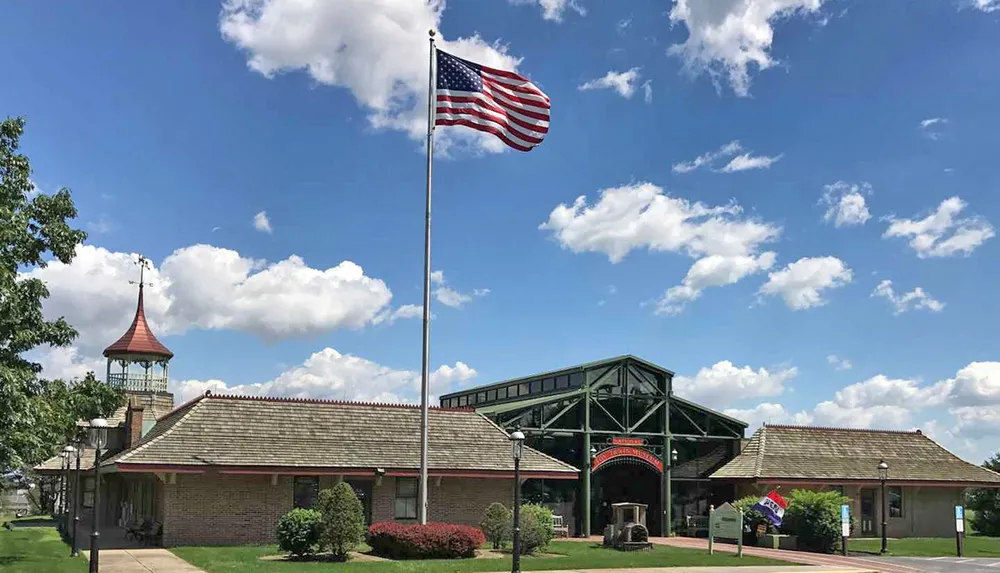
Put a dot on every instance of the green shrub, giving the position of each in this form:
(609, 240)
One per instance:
(752, 517)
(814, 518)
(496, 524)
(536, 527)
(343, 520)
(298, 531)
(983, 505)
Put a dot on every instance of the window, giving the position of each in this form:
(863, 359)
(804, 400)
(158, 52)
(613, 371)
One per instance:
(562, 382)
(305, 490)
(491, 395)
(536, 386)
(837, 488)
(895, 496)
(576, 379)
(406, 498)
(523, 389)
(548, 384)
(88, 492)
(462, 401)
(480, 398)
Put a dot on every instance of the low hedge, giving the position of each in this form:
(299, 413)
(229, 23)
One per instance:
(431, 541)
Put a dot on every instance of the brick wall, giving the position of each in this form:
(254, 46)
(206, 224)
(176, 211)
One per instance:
(207, 509)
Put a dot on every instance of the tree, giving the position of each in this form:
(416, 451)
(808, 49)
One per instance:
(343, 520)
(985, 504)
(496, 524)
(33, 229)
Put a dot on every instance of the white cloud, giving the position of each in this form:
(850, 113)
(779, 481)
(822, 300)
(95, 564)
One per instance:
(711, 271)
(839, 363)
(262, 223)
(986, 5)
(67, 363)
(916, 299)
(641, 215)
(451, 297)
(405, 311)
(622, 82)
(845, 203)
(553, 10)
(880, 417)
(328, 374)
(101, 226)
(976, 384)
(746, 161)
(724, 383)
(208, 287)
(647, 91)
(800, 283)
(623, 24)
(376, 50)
(932, 121)
(727, 38)
(931, 127)
(941, 233)
(881, 390)
(768, 413)
(740, 162)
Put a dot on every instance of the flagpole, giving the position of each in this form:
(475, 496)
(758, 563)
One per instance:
(425, 369)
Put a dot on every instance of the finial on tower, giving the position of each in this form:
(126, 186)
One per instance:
(431, 33)
(143, 263)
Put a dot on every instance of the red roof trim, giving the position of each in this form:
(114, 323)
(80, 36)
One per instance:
(916, 432)
(138, 339)
(126, 467)
(839, 481)
(285, 400)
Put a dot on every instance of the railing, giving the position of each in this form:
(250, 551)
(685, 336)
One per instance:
(138, 382)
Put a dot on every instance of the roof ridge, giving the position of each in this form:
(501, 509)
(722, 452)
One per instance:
(195, 404)
(843, 429)
(759, 460)
(539, 452)
(329, 402)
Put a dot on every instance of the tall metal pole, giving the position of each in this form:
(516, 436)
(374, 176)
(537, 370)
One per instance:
(516, 564)
(885, 511)
(425, 359)
(95, 534)
(76, 503)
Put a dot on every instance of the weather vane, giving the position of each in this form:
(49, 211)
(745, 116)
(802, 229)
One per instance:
(143, 263)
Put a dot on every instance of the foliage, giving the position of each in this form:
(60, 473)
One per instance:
(536, 527)
(496, 524)
(430, 541)
(299, 531)
(814, 518)
(343, 520)
(752, 517)
(35, 550)
(985, 504)
(33, 229)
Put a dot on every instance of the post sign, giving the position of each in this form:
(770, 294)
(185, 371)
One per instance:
(959, 519)
(619, 441)
(845, 520)
(726, 522)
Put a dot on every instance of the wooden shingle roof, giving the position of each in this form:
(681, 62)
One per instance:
(803, 454)
(216, 431)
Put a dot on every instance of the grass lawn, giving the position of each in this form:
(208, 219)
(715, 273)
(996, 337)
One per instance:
(573, 555)
(930, 546)
(36, 549)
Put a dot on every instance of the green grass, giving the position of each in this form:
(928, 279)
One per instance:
(41, 518)
(573, 555)
(36, 549)
(975, 546)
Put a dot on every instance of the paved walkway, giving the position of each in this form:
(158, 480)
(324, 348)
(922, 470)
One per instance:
(752, 569)
(948, 564)
(142, 561)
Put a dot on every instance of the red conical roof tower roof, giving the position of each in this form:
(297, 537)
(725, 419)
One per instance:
(138, 339)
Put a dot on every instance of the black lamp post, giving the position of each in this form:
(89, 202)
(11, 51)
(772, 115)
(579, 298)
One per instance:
(883, 474)
(76, 501)
(98, 439)
(517, 445)
(67, 456)
(62, 484)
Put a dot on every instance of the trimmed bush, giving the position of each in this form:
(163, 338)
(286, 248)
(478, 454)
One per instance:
(343, 520)
(298, 531)
(537, 528)
(814, 518)
(496, 524)
(431, 541)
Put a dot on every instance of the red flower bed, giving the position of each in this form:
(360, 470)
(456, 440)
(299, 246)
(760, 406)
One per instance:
(431, 541)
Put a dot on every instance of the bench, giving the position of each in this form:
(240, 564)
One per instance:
(558, 527)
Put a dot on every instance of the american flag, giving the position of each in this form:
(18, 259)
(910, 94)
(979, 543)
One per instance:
(490, 100)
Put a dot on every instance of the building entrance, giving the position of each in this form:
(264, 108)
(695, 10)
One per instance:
(626, 481)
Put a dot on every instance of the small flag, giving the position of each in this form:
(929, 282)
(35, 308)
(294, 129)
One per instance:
(773, 506)
(490, 100)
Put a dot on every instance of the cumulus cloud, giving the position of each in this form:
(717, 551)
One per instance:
(328, 374)
(976, 384)
(622, 82)
(724, 382)
(262, 223)
(768, 413)
(845, 203)
(404, 311)
(931, 127)
(741, 162)
(208, 287)
(647, 91)
(986, 5)
(942, 233)
(916, 299)
(727, 39)
(881, 390)
(724, 243)
(375, 50)
(553, 10)
(449, 296)
(801, 283)
(66, 363)
(838, 362)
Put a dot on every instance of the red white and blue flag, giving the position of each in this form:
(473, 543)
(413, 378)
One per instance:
(773, 506)
(490, 100)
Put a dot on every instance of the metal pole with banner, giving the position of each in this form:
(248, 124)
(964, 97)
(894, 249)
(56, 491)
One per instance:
(959, 528)
(845, 527)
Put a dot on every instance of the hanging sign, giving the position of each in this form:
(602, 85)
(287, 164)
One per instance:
(959, 519)
(605, 456)
(628, 441)
(845, 520)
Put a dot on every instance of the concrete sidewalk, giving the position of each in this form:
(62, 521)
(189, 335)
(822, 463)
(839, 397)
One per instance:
(142, 561)
(752, 569)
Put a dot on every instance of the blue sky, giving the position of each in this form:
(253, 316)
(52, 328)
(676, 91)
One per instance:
(175, 126)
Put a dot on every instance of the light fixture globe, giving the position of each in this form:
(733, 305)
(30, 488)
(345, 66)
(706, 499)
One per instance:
(517, 443)
(883, 470)
(673, 455)
(98, 433)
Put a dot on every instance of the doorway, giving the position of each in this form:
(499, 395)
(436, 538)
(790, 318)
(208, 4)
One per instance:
(867, 512)
(363, 489)
(625, 482)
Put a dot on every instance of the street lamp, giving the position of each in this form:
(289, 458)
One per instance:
(76, 501)
(67, 456)
(883, 474)
(98, 433)
(63, 478)
(517, 447)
